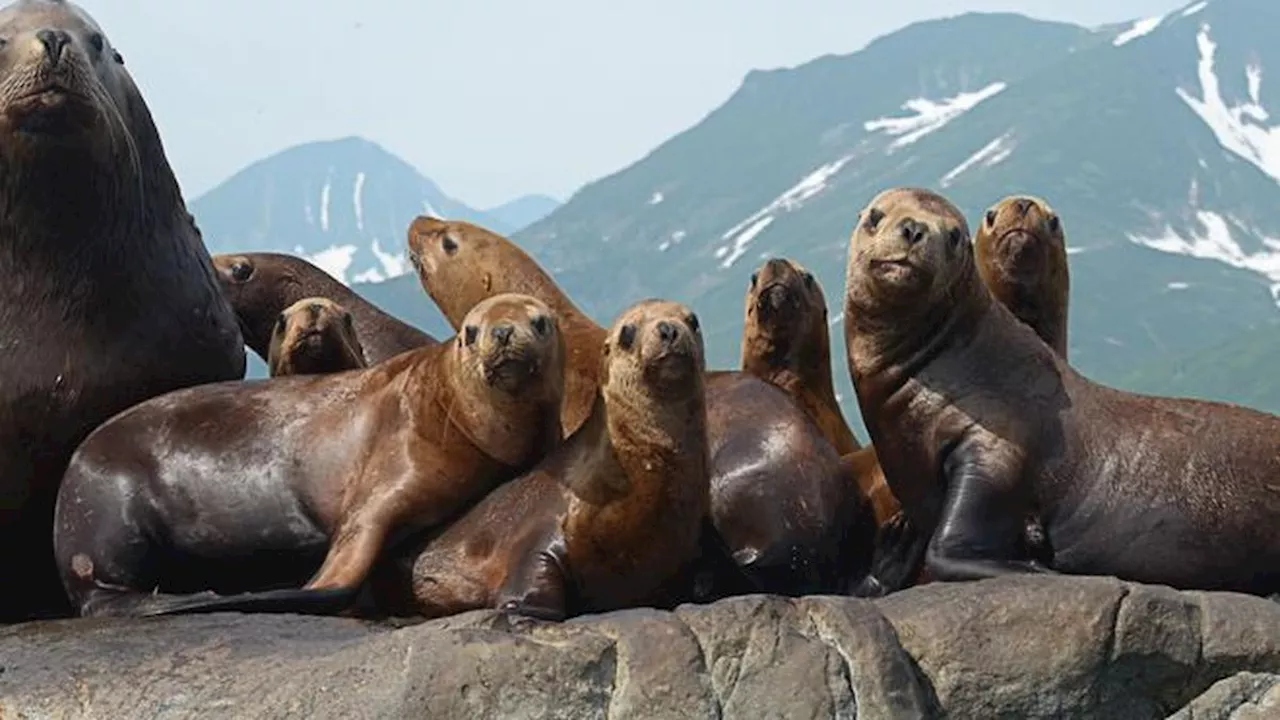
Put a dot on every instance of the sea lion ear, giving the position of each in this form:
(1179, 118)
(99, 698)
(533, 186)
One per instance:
(1054, 223)
(470, 333)
(991, 217)
(808, 280)
(627, 336)
(872, 221)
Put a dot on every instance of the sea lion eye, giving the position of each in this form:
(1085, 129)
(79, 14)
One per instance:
(241, 271)
(540, 325)
(991, 217)
(808, 280)
(470, 334)
(115, 55)
(449, 245)
(97, 42)
(626, 336)
(874, 216)
(1054, 224)
(755, 276)
(693, 322)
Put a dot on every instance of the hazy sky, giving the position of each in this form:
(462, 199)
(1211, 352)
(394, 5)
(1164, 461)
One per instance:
(489, 98)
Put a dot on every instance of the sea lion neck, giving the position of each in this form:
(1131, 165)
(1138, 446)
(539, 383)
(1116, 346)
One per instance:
(801, 360)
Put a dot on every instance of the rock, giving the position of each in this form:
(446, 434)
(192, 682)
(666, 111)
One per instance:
(1026, 647)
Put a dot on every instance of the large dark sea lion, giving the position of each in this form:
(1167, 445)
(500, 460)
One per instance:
(246, 486)
(766, 453)
(260, 285)
(605, 521)
(976, 420)
(312, 336)
(107, 293)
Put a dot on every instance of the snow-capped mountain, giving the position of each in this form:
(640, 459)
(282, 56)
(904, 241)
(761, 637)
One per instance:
(344, 204)
(1153, 139)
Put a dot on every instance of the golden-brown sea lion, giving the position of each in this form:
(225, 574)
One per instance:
(107, 293)
(976, 420)
(761, 444)
(314, 335)
(244, 486)
(260, 285)
(609, 517)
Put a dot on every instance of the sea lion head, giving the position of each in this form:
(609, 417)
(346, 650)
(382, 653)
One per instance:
(1021, 241)
(314, 334)
(459, 264)
(910, 250)
(63, 85)
(654, 347)
(784, 303)
(252, 293)
(512, 343)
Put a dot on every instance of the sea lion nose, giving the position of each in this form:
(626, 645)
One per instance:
(776, 265)
(666, 332)
(54, 41)
(913, 231)
(1023, 205)
(502, 334)
(313, 311)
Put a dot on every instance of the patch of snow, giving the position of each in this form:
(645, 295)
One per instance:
(1203, 164)
(664, 246)
(837, 318)
(1074, 250)
(431, 211)
(1253, 141)
(1193, 9)
(657, 198)
(744, 238)
(1214, 242)
(790, 200)
(990, 154)
(372, 275)
(677, 236)
(393, 264)
(1177, 286)
(324, 205)
(309, 213)
(355, 199)
(335, 260)
(1139, 28)
(930, 115)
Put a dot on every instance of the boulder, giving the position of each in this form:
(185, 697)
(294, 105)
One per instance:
(1024, 647)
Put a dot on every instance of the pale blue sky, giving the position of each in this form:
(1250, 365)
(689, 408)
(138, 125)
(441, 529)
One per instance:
(490, 98)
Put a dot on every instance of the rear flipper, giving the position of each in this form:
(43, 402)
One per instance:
(327, 601)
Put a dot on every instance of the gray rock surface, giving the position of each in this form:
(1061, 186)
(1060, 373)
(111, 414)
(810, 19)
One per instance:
(1025, 647)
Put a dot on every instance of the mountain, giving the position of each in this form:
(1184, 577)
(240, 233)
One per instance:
(523, 211)
(1153, 140)
(344, 204)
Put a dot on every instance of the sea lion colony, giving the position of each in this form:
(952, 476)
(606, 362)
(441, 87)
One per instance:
(537, 462)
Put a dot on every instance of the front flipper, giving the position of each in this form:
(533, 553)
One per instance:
(288, 600)
(982, 526)
(538, 586)
(899, 553)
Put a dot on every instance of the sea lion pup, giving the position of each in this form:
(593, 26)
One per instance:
(238, 487)
(314, 335)
(758, 438)
(606, 519)
(786, 343)
(1021, 251)
(108, 295)
(975, 418)
(260, 285)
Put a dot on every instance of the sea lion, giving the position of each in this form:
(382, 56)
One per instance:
(1021, 251)
(239, 487)
(108, 294)
(605, 520)
(975, 419)
(260, 285)
(786, 343)
(314, 335)
(460, 263)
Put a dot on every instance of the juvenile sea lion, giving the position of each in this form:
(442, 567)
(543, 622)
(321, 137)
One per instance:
(238, 487)
(975, 419)
(786, 343)
(605, 520)
(107, 293)
(261, 285)
(1021, 252)
(759, 440)
(314, 335)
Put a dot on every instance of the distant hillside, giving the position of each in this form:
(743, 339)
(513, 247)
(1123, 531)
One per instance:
(344, 204)
(1238, 370)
